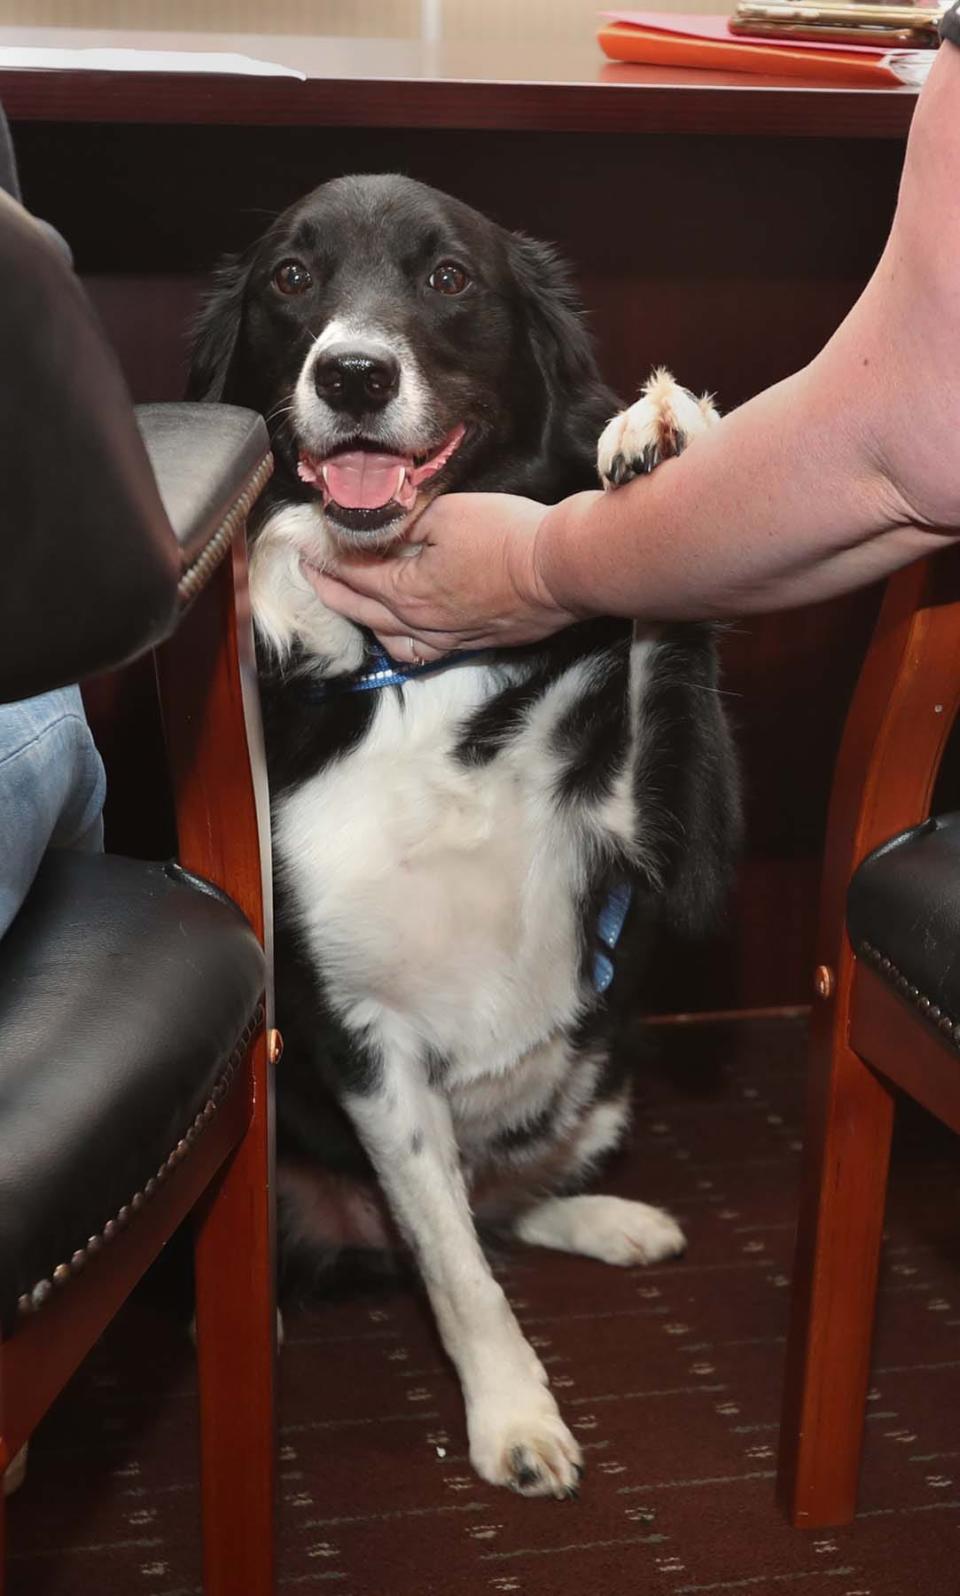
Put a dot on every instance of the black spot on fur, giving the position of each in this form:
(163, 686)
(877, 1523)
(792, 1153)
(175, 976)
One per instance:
(688, 768)
(591, 738)
(304, 732)
(526, 1133)
(484, 734)
(501, 718)
(435, 1066)
(524, 1472)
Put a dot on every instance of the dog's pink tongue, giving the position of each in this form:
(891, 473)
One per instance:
(361, 481)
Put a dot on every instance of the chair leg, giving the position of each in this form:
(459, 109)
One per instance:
(839, 1235)
(236, 1351)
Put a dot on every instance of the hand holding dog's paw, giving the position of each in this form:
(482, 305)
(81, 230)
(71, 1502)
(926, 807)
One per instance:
(661, 424)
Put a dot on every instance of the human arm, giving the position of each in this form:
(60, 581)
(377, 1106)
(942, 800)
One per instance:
(838, 475)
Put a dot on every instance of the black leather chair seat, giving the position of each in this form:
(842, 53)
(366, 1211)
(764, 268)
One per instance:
(126, 991)
(903, 915)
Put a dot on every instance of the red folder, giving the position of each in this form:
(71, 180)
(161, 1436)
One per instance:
(672, 39)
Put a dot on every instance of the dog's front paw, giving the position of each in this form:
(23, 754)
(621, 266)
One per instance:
(525, 1445)
(626, 1233)
(660, 424)
(613, 1229)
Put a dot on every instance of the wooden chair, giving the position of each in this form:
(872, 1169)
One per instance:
(135, 996)
(886, 1019)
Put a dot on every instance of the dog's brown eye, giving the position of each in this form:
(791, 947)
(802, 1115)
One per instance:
(292, 277)
(448, 278)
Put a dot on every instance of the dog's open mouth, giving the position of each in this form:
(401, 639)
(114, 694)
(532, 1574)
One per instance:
(366, 489)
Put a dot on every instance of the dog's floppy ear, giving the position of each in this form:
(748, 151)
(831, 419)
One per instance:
(578, 402)
(545, 282)
(216, 330)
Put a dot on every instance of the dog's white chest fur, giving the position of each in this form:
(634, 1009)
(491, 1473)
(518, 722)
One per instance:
(439, 897)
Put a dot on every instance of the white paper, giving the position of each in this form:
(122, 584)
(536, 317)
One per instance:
(15, 58)
(912, 67)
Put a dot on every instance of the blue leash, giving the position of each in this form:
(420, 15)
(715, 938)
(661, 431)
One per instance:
(610, 923)
(384, 672)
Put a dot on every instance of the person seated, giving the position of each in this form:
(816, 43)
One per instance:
(52, 781)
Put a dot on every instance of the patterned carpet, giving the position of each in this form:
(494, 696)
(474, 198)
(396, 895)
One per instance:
(670, 1378)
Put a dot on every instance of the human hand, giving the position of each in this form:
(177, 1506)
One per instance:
(472, 581)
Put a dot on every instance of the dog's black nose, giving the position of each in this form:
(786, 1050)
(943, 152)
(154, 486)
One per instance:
(356, 380)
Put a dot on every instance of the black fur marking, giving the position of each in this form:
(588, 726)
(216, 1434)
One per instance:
(591, 738)
(416, 1143)
(217, 328)
(304, 734)
(689, 764)
(435, 1066)
(321, 1060)
(489, 730)
(524, 1473)
(484, 734)
(530, 1131)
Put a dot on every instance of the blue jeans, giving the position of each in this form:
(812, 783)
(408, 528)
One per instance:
(52, 788)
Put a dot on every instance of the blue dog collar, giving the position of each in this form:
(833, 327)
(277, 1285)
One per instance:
(382, 671)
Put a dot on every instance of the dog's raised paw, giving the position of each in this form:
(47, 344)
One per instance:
(661, 424)
(533, 1454)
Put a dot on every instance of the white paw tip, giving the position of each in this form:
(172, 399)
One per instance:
(536, 1456)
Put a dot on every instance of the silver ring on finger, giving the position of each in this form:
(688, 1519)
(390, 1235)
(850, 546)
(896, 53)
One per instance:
(414, 655)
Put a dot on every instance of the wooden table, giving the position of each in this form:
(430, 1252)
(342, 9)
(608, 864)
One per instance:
(719, 224)
(393, 83)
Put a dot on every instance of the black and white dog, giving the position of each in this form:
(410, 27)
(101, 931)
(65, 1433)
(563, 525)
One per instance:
(458, 849)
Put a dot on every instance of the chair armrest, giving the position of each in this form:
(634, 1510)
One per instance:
(211, 463)
(210, 707)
